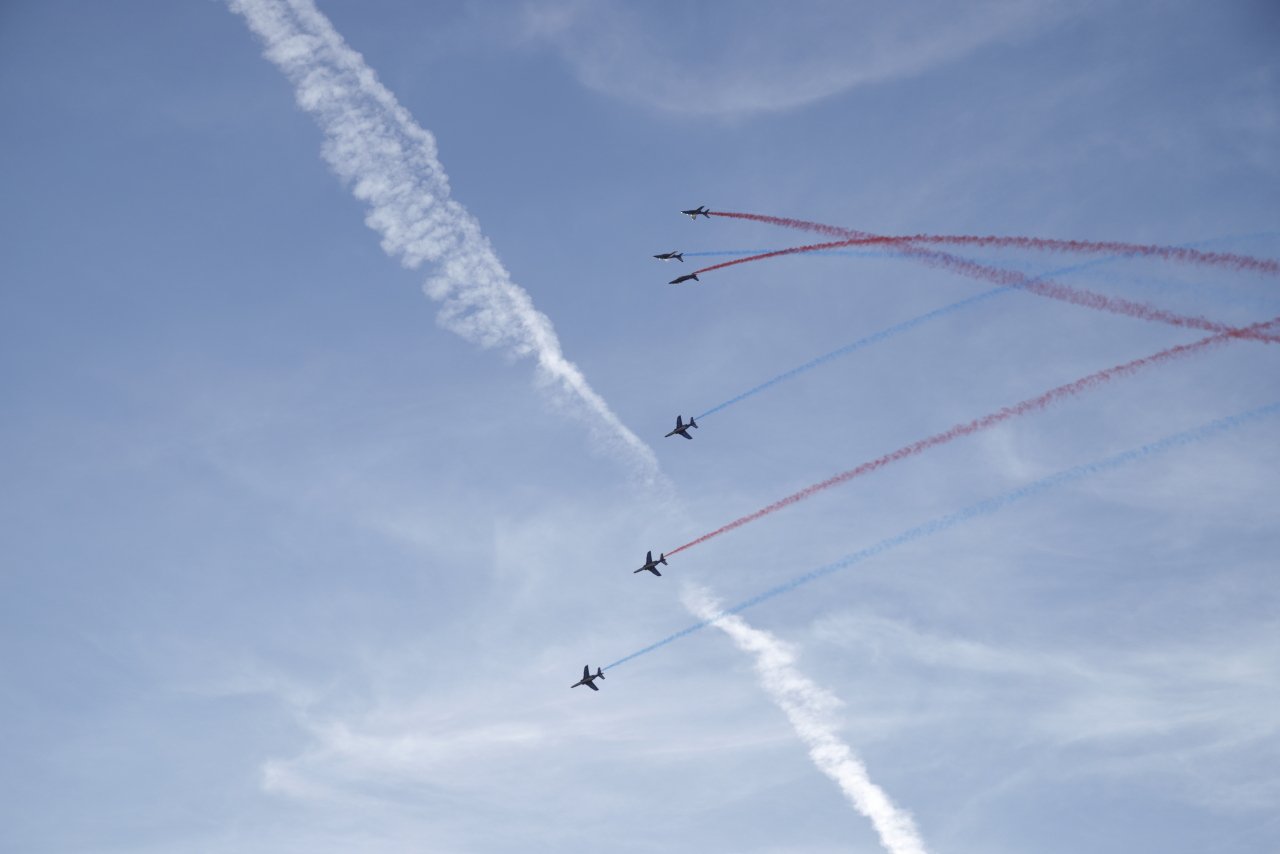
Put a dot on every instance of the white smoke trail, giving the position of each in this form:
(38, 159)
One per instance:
(373, 143)
(811, 711)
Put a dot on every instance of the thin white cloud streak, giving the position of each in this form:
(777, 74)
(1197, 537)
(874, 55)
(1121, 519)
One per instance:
(373, 143)
(811, 712)
(733, 57)
(1192, 713)
(1093, 692)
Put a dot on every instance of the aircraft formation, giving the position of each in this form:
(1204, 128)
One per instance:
(682, 429)
(920, 247)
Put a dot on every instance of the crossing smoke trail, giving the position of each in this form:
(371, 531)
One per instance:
(810, 710)
(990, 420)
(1020, 281)
(983, 508)
(852, 253)
(1181, 254)
(893, 330)
(373, 143)
(858, 345)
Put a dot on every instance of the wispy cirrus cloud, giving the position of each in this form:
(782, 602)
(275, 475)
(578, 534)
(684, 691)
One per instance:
(732, 57)
(1195, 713)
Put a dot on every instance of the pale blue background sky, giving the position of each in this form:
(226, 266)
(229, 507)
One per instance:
(287, 567)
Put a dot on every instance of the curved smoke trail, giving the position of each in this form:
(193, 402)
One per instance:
(1180, 254)
(1021, 281)
(978, 424)
(983, 508)
(850, 252)
(893, 330)
(373, 143)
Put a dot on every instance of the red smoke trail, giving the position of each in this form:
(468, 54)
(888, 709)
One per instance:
(804, 225)
(1094, 247)
(792, 251)
(1010, 279)
(1030, 405)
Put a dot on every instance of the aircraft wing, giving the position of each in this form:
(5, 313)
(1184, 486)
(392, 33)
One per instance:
(686, 435)
(591, 685)
(654, 570)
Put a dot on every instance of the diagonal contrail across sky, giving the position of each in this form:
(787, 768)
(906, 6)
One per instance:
(809, 708)
(374, 144)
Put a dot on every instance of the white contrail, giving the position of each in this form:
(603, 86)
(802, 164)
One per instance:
(811, 711)
(373, 143)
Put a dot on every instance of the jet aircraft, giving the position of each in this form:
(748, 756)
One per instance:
(667, 256)
(587, 679)
(651, 564)
(682, 429)
(700, 209)
(686, 277)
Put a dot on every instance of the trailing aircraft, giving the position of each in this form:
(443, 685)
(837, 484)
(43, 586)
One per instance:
(682, 428)
(686, 277)
(587, 679)
(667, 256)
(700, 209)
(651, 564)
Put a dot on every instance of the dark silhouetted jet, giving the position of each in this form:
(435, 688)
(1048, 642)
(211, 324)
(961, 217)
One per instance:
(667, 256)
(700, 209)
(587, 679)
(651, 564)
(686, 277)
(682, 429)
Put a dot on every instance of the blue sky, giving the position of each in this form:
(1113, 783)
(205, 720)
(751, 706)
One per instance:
(290, 566)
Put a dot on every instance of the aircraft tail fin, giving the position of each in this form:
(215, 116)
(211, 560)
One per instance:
(695, 277)
(662, 559)
(599, 673)
(693, 423)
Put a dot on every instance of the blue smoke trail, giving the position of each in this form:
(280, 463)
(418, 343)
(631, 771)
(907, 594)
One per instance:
(982, 508)
(858, 345)
(915, 321)
(903, 327)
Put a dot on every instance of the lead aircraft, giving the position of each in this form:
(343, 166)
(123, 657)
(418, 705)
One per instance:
(686, 277)
(700, 209)
(651, 564)
(668, 256)
(587, 679)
